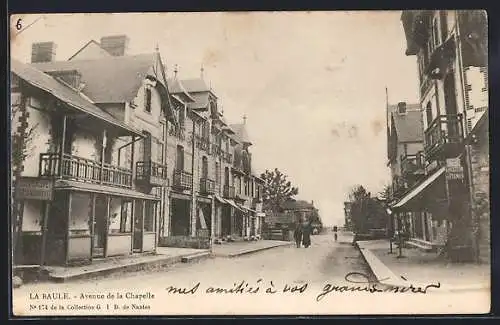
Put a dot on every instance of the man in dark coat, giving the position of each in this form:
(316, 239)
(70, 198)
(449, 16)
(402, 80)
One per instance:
(297, 234)
(306, 233)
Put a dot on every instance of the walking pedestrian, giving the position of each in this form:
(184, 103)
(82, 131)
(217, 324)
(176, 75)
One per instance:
(297, 234)
(306, 233)
(335, 229)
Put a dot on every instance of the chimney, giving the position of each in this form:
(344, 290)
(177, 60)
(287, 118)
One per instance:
(115, 45)
(43, 52)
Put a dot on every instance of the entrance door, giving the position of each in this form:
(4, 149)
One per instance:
(100, 225)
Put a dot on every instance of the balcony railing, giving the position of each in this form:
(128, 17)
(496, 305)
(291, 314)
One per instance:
(229, 192)
(413, 164)
(84, 170)
(398, 188)
(207, 186)
(444, 137)
(226, 156)
(183, 180)
(177, 132)
(151, 173)
(216, 149)
(202, 143)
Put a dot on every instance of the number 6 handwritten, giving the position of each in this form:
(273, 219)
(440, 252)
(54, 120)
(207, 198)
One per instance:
(18, 24)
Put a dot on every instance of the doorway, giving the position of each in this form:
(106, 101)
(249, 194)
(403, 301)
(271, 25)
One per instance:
(180, 217)
(100, 226)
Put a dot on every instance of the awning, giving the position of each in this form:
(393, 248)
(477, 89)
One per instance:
(221, 200)
(234, 205)
(103, 189)
(419, 188)
(247, 209)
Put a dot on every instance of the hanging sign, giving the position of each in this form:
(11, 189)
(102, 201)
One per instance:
(34, 188)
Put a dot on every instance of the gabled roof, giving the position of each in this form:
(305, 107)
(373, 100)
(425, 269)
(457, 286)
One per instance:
(64, 93)
(108, 80)
(409, 127)
(195, 85)
(176, 87)
(241, 134)
(103, 52)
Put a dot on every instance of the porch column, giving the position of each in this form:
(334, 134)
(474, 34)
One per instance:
(70, 198)
(106, 224)
(193, 181)
(212, 222)
(92, 226)
(132, 225)
(132, 154)
(44, 231)
(103, 150)
(63, 144)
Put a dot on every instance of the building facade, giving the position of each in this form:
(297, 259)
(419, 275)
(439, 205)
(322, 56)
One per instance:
(450, 47)
(123, 158)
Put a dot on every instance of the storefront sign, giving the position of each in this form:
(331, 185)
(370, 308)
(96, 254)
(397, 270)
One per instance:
(454, 173)
(33, 188)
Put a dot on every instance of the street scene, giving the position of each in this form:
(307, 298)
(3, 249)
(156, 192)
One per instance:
(246, 163)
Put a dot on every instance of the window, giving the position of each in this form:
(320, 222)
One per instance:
(147, 100)
(444, 25)
(428, 113)
(217, 173)
(157, 151)
(204, 167)
(179, 158)
(147, 144)
(182, 116)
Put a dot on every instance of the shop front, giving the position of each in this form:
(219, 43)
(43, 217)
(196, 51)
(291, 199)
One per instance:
(83, 222)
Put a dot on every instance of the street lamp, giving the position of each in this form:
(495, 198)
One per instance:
(389, 213)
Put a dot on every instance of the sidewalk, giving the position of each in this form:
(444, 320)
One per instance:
(235, 249)
(165, 256)
(421, 268)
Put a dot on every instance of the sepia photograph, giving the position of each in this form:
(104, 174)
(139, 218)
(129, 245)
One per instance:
(249, 163)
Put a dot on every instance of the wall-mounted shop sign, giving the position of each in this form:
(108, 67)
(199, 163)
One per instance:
(34, 188)
(454, 170)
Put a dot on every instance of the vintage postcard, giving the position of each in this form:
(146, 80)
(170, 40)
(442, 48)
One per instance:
(250, 163)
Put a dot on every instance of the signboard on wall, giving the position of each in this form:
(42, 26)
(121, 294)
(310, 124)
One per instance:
(34, 188)
(454, 170)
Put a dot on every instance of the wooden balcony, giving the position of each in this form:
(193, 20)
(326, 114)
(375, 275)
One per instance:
(398, 188)
(202, 143)
(177, 132)
(226, 156)
(229, 192)
(151, 173)
(444, 137)
(216, 149)
(207, 186)
(84, 170)
(413, 164)
(183, 180)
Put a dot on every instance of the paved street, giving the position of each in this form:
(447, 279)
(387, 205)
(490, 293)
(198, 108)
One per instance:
(325, 262)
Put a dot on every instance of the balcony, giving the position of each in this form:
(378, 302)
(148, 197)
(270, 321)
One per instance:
(202, 143)
(207, 186)
(226, 156)
(177, 132)
(84, 170)
(183, 180)
(444, 137)
(398, 188)
(229, 192)
(216, 149)
(413, 164)
(151, 173)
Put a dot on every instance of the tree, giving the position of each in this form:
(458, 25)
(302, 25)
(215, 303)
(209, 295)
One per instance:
(277, 190)
(367, 212)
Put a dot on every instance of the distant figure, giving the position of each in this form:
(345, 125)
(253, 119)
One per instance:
(306, 233)
(297, 234)
(335, 235)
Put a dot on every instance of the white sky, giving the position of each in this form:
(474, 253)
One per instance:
(312, 84)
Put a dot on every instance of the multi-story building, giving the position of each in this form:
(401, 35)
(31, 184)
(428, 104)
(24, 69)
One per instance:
(347, 216)
(405, 153)
(450, 47)
(125, 158)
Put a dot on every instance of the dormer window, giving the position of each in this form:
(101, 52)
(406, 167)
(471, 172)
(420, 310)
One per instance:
(402, 108)
(147, 100)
